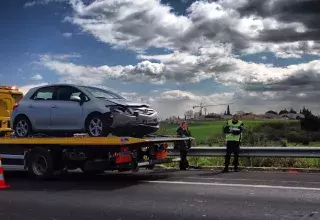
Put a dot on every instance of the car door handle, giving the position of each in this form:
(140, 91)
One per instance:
(54, 106)
(30, 106)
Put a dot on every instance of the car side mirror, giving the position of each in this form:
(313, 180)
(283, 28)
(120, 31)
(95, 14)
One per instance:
(75, 99)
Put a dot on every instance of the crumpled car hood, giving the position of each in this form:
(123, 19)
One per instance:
(125, 102)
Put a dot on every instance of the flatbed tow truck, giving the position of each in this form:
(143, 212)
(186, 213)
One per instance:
(48, 157)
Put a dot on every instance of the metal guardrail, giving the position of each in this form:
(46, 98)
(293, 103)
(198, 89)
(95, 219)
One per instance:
(297, 152)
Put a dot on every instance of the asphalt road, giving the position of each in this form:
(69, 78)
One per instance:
(164, 195)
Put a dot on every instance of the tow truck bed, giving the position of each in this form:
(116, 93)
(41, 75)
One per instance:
(88, 141)
(91, 155)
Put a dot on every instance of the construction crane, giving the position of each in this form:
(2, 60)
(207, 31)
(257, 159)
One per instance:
(201, 106)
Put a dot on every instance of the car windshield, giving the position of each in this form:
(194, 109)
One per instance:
(101, 93)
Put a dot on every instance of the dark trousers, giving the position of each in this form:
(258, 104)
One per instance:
(232, 147)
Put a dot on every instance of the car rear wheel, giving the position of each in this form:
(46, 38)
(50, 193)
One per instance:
(98, 126)
(22, 127)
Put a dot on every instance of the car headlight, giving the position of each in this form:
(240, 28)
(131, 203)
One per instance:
(120, 109)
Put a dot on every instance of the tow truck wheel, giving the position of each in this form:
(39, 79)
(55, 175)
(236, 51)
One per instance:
(97, 126)
(22, 127)
(40, 164)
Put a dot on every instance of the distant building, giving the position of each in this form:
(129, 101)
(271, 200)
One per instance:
(226, 116)
(174, 120)
(271, 116)
(250, 116)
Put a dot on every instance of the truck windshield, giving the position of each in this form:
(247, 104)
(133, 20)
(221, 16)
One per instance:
(101, 93)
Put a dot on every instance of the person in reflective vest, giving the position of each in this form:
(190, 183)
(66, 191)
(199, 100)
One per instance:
(233, 130)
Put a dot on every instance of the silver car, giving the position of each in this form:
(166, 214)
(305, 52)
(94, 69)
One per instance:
(67, 109)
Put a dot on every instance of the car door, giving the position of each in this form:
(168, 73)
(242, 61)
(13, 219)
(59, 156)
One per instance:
(38, 108)
(65, 113)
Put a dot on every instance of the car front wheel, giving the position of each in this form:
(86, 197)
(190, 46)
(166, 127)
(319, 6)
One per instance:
(98, 126)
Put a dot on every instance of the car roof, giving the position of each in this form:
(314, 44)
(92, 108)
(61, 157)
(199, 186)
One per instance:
(65, 84)
(55, 84)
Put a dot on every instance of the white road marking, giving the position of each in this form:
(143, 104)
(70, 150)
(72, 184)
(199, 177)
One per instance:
(233, 185)
(257, 180)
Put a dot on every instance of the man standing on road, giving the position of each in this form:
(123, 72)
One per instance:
(183, 131)
(233, 130)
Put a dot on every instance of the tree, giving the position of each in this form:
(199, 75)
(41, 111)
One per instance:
(228, 110)
(188, 114)
(310, 123)
(293, 111)
(306, 112)
(271, 112)
(283, 112)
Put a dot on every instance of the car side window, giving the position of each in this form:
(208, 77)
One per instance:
(45, 93)
(64, 93)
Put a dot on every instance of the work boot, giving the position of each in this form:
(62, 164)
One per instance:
(225, 170)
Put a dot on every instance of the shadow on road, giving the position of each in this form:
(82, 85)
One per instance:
(19, 181)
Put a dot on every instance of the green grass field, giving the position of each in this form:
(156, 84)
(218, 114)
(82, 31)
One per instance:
(202, 130)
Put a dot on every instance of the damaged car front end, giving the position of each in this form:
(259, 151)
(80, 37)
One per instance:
(134, 119)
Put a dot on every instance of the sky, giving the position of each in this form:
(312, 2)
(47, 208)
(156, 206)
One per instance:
(173, 54)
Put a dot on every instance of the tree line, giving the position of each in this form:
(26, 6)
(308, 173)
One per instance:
(303, 111)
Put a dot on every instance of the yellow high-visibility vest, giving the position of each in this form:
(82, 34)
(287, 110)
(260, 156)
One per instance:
(230, 136)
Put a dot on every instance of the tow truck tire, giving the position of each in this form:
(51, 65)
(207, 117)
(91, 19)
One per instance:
(40, 164)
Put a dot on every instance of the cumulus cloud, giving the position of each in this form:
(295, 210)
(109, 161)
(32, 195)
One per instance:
(306, 77)
(67, 35)
(305, 12)
(179, 67)
(303, 85)
(138, 25)
(37, 77)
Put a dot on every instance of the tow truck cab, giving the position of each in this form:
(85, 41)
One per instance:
(9, 97)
